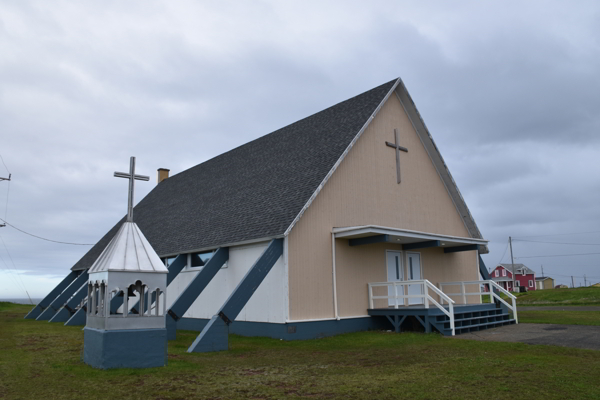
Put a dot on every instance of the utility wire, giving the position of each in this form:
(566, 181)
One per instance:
(6, 206)
(4, 163)
(537, 241)
(577, 276)
(15, 267)
(559, 234)
(10, 272)
(48, 240)
(560, 255)
(502, 258)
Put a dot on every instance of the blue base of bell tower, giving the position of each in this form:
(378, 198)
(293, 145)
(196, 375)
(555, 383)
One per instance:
(139, 348)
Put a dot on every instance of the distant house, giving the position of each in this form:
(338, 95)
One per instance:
(503, 275)
(596, 284)
(544, 282)
(561, 286)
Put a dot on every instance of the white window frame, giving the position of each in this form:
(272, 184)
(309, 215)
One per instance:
(530, 283)
(189, 267)
(497, 273)
(503, 272)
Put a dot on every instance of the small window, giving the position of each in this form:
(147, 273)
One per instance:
(497, 273)
(530, 283)
(503, 272)
(169, 261)
(195, 264)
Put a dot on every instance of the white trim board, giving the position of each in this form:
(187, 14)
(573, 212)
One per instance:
(370, 230)
(344, 154)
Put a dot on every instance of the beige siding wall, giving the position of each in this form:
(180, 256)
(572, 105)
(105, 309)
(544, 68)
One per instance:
(364, 191)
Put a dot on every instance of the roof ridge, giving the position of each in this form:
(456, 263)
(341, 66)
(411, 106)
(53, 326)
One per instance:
(253, 191)
(286, 126)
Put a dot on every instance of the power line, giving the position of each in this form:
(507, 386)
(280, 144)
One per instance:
(560, 234)
(502, 258)
(560, 255)
(14, 265)
(10, 272)
(538, 241)
(577, 276)
(6, 206)
(48, 240)
(4, 163)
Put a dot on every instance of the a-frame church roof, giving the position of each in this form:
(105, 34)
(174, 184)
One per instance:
(260, 189)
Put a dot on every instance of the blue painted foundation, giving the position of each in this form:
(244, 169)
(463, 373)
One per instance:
(291, 331)
(172, 327)
(140, 348)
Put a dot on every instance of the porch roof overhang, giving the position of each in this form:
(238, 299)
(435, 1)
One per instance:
(410, 240)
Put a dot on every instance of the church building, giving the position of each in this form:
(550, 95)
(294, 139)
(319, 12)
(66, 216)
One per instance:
(346, 220)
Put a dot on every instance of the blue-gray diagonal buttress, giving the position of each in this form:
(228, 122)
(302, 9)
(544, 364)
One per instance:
(176, 266)
(214, 336)
(62, 298)
(193, 290)
(42, 305)
(69, 308)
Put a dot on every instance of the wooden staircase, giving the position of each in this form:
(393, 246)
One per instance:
(471, 318)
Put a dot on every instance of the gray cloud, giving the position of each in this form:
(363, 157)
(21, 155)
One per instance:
(509, 91)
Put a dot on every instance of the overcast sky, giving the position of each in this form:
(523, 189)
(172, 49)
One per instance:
(510, 92)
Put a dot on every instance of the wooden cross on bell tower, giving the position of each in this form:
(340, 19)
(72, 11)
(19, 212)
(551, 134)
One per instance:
(398, 149)
(132, 177)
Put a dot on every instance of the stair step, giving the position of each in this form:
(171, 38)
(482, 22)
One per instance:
(496, 318)
(461, 329)
(471, 315)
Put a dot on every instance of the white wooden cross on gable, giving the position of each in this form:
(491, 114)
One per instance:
(132, 177)
(398, 149)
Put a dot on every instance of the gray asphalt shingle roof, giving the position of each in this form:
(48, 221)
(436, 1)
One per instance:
(518, 268)
(251, 192)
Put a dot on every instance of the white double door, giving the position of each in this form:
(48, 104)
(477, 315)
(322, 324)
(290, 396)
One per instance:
(395, 273)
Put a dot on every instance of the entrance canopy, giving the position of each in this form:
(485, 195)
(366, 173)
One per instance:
(410, 240)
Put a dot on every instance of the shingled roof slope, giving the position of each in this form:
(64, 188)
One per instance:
(251, 192)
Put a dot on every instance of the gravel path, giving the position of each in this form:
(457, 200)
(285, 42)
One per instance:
(578, 336)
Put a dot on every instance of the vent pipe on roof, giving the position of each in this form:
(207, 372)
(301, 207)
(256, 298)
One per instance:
(163, 174)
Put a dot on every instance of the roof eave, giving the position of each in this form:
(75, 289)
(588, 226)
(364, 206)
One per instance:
(438, 161)
(434, 154)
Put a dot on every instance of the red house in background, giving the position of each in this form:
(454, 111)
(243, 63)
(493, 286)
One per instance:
(503, 276)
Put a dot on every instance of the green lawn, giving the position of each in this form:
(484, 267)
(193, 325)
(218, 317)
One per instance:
(585, 296)
(40, 360)
(588, 296)
(560, 317)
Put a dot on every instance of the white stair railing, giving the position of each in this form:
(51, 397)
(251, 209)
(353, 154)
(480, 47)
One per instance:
(493, 295)
(494, 285)
(426, 286)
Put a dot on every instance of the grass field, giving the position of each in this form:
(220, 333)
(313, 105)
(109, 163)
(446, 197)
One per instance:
(560, 317)
(585, 296)
(40, 360)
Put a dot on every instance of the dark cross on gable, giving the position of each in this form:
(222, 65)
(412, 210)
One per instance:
(132, 177)
(398, 150)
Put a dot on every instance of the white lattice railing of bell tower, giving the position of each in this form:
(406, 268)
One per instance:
(99, 300)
